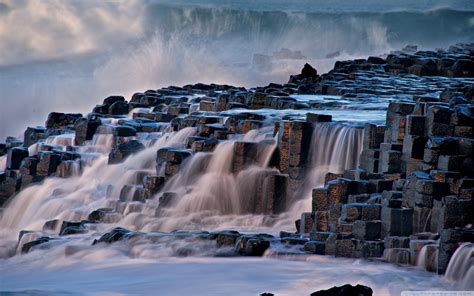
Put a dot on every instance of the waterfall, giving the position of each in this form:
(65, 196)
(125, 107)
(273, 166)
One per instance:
(335, 147)
(219, 189)
(74, 198)
(3, 163)
(427, 258)
(461, 267)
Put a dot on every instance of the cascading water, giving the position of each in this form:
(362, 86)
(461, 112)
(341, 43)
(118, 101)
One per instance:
(75, 197)
(461, 266)
(335, 147)
(3, 163)
(212, 195)
(206, 184)
(427, 258)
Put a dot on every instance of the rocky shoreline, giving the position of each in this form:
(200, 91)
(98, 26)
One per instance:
(409, 200)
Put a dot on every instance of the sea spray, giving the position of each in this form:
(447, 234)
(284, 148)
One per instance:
(81, 54)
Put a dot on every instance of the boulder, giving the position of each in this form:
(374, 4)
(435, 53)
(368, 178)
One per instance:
(226, 238)
(33, 134)
(124, 131)
(121, 151)
(114, 235)
(15, 157)
(48, 163)
(99, 214)
(152, 184)
(58, 120)
(252, 245)
(315, 247)
(72, 227)
(346, 290)
(27, 247)
(308, 72)
(113, 99)
(85, 129)
(118, 108)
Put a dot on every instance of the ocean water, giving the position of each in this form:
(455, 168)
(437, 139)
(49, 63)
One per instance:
(68, 55)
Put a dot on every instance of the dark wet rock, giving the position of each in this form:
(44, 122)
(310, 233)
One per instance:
(28, 166)
(70, 155)
(173, 155)
(313, 117)
(27, 247)
(99, 214)
(61, 120)
(72, 227)
(252, 245)
(208, 144)
(118, 108)
(166, 200)
(237, 105)
(101, 110)
(367, 230)
(3, 149)
(346, 290)
(163, 117)
(294, 240)
(132, 193)
(114, 235)
(8, 187)
(397, 222)
(315, 247)
(11, 142)
(256, 247)
(285, 234)
(225, 238)
(15, 157)
(207, 130)
(48, 163)
(113, 99)
(308, 72)
(152, 184)
(454, 212)
(33, 134)
(124, 131)
(120, 152)
(51, 225)
(375, 60)
(168, 160)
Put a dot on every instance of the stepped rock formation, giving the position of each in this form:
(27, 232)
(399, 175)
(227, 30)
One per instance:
(195, 156)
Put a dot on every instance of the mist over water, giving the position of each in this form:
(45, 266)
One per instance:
(70, 54)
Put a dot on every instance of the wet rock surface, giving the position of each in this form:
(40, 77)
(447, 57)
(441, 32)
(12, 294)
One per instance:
(410, 194)
(358, 290)
(405, 167)
(346, 290)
